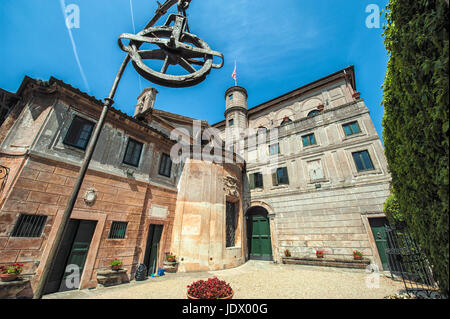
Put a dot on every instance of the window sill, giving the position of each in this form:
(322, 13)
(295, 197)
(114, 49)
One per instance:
(321, 180)
(310, 146)
(258, 189)
(349, 137)
(279, 187)
(371, 172)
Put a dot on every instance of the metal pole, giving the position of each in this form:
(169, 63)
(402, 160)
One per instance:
(73, 197)
(162, 9)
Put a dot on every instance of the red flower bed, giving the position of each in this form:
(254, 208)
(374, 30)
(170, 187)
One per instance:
(213, 288)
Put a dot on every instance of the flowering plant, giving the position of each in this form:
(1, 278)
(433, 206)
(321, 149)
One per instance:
(171, 257)
(213, 288)
(357, 253)
(13, 269)
(116, 262)
(287, 253)
(319, 253)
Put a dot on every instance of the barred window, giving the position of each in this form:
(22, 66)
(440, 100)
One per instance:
(79, 133)
(230, 224)
(165, 166)
(29, 226)
(118, 230)
(133, 153)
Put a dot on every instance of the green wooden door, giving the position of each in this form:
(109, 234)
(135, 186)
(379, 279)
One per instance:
(379, 233)
(151, 253)
(259, 238)
(79, 251)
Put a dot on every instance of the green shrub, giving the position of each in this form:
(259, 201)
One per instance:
(415, 98)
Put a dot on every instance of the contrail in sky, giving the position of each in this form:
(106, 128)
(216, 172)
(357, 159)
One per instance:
(134, 30)
(74, 46)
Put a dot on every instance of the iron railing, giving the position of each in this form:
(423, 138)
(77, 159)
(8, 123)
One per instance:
(407, 261)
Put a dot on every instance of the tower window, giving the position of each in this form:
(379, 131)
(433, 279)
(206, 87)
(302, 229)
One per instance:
(230, 97)
(363, 161)
(231, 122)
(230, 224)
(351, 128)
(79, 133)
(309, 139)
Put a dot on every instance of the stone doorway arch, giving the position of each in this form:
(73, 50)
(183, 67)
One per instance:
(261, 237)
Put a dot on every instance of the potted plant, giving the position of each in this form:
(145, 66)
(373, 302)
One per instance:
(213, 288)
(171, 258)
(357, 255)
(319, 253)
(116, 264)
(287, 253)
(10, 273)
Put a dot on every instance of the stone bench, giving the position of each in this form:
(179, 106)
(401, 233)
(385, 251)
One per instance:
(328, 262)
(10, 290)
(108, 277)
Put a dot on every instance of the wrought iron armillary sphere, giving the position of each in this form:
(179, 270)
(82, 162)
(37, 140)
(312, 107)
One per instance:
(172, 45)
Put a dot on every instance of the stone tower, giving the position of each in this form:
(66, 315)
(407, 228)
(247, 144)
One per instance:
(146, 101)
(236, 111)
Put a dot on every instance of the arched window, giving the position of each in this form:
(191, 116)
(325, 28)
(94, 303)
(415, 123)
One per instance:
(261, 130)
(313, 113)
(286, 121)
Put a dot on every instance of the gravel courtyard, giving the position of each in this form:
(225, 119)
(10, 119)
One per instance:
(255, 279)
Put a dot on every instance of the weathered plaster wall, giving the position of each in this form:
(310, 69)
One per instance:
(199, 228)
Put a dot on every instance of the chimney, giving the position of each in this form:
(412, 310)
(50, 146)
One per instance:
(146, 101)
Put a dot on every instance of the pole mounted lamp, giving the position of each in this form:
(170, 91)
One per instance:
(173, 45)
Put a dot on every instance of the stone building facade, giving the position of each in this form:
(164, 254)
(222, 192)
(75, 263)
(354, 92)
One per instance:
(323, 181)
(321, 184)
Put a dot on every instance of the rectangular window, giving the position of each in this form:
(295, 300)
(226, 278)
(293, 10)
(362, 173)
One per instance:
(230, 97)
(351, 128)
(133, 153)
(363, 161)
(256, 180)
(79, 133)
(29, 226)
(230, 224)
(274, 149)
(231, 122)
(118, 230)
(280, 177)
(165, 166)
(309, 139)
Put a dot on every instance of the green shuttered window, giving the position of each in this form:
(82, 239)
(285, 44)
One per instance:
(280, 177)
(309, 139)
(256, 180)
(165, 166)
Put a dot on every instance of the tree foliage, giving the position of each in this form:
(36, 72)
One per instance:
(416, 123)
(392, 210)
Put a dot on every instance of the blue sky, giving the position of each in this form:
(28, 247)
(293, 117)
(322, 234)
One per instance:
(279, 46)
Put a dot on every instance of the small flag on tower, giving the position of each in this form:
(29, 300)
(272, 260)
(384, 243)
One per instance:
(234, 75)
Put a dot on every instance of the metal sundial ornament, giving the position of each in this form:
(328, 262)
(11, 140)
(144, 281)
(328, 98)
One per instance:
(173, 44)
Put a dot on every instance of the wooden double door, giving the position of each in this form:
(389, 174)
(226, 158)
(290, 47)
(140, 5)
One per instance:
(258, 236)
(71, 257)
